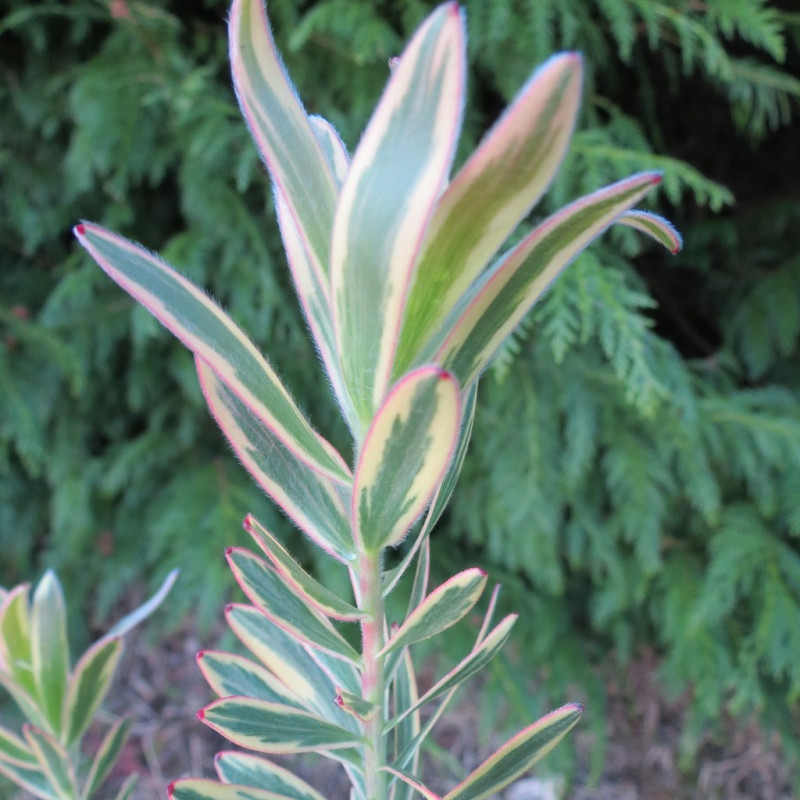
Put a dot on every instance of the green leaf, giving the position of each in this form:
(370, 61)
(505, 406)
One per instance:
(106, 756)
(28, 704)
(297, 580)
(31, 780)
(287, 610)
(406, 694)
(442, 608)
(476, 660)
(54, 761)
(131, 620)
(15, 638)
(249, 770)
(332, 147)
(229, 674)
(201, 325)
(310, 500)
(395, 178)
(206, 789)
(274, 728)
(356, 706)
(282, 130)
(502, 296)
(655, 226)
(126, 790)
(14, 750)
(411, 780)
(517, 755)
(404, 457)
(500, 183)
(287, 659)
(49, 648)
(88, 686)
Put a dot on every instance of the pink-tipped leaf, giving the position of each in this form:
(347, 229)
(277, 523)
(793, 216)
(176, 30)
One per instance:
(655, 226)
(502, 180)
(249, 770)
(395, 178)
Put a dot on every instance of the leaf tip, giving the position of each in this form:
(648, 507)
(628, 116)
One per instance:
(200, 654)
(228, 551)
(201, 714)
(79, 230)
(247, 523)
(171, 789)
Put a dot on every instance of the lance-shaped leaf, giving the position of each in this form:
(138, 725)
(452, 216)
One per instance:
(333, 147)
(53, 759)
(395, 178)
(442, 608)
(286, 658)
(49, 649)
(15, 638)
(496, 188)
(249, 770)
(502, 296)
(274, 728)
(14, 750)
(404, 457)
(207, 789)
(477, 658)
(229, 674)
(106, 756)
(406, 694)
(517, 755)
(443, 493)
(88, 686)
(207, 331)
(281, 128)
(655, 226)
(297, 580)
(27, 703)
(142, 612)
(287, 610)
(356, 706)
(31, 780)
(309, 499)
(413, 783)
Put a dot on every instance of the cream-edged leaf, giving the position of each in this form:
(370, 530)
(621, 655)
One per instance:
(446, 605)
(502, 180)
(15, 638)
(249, 770)
(274, 728)
(53, 760)
(309, 499)
(413, 782)
(285, 137)
(32, 780)
(332, 146)
(265, 589)
(14, 750)
(201, 325)
(655, 226)
(106, 756)
(404, 457)
(395, 177)
(501, 297)
(517, 755)
(207, 789)
(297, 580)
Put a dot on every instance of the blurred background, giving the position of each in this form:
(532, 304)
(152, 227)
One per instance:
(634, 476)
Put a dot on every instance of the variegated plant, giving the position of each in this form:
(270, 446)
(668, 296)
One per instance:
(407, 300)
(59, 702)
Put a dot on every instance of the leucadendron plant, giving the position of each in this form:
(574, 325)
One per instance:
(397, 271)
(58, 701)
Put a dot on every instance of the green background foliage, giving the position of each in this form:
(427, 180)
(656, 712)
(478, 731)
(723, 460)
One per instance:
(633, 478)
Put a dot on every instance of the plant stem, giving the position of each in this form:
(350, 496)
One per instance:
(372, 681)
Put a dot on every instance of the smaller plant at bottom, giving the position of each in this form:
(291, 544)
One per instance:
(59, 702)
(408, 302)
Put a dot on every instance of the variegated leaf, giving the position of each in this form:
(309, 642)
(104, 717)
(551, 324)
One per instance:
(31, 780)
(49, 648)
(15, 637)
(14, 750)
(207, 331)
(106, 756)
(502, 296)
(502, 180)
(476, 659)
(287, 659)
(395, 178)
(655, 226)
(413, 783)
(356, 706)
(442, 608)
(332, 147)
(250, 770)
(406, 695)
(281, 128)
(309, 499)
(287, 610)
(274, 728)
(404, 456)
(443, 493)
(517, 755)
(297, 580)
(88, 686)
(53, 760)
(207, 789)
(230, 674)
(27, 703)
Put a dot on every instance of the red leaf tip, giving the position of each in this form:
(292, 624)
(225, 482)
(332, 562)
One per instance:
(339, 700)
(80, 229)
(228, 551)
(229, 608)
(201, 714)
(200, 654)
(247, 523)
(171, 789)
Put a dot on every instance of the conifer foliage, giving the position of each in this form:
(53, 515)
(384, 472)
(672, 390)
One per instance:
(656, 496)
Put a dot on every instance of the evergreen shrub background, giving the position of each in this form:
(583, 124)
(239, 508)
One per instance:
(634, 478)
